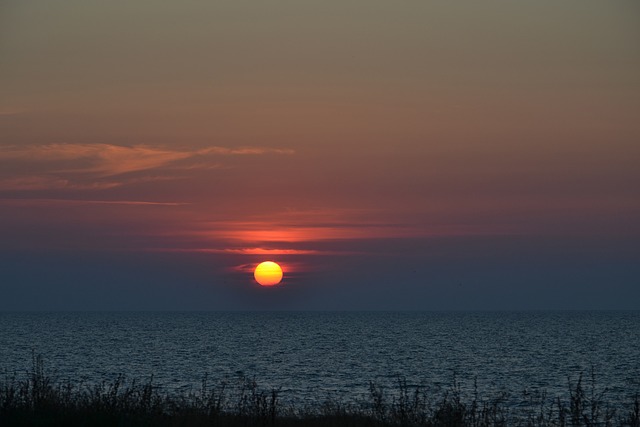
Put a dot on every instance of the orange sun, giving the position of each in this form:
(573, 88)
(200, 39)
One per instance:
(268, 273)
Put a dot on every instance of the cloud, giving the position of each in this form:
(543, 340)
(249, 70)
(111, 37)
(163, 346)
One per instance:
(246, 251)
(314, 232)
(50, 202)
(245, 151)
(110, 160)
(100, 166)
(273, 232)
(37, 182)
(11, 111)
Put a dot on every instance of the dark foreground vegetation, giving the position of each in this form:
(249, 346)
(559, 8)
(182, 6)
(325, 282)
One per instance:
(39, 401)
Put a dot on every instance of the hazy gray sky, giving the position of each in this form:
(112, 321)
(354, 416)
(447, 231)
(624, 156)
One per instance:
(420, 155)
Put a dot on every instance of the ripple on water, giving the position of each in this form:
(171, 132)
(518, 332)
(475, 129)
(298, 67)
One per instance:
(311, 355)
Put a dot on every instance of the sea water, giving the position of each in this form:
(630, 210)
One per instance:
(314, 356)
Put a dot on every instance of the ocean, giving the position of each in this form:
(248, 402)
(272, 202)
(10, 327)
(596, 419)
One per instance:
(314, 356)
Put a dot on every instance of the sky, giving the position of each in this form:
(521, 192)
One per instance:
(414, 155)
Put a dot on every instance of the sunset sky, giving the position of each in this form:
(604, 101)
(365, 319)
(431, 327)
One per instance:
(424, 155)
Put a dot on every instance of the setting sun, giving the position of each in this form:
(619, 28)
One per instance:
(268, 273)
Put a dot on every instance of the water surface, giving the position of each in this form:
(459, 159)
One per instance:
(314, 355)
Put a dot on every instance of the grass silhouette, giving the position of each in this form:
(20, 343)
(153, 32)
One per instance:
(38, 400)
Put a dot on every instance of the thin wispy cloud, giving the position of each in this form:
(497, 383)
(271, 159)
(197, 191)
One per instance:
(50, 202)
(238, 232)
(11, 111)
(102, 166)
(244, 151)
(246, 251)
(37, 182)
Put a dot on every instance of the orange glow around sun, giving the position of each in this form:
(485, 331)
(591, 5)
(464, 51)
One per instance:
(268, 273)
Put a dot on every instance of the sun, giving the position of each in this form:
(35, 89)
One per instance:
(268, 273)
